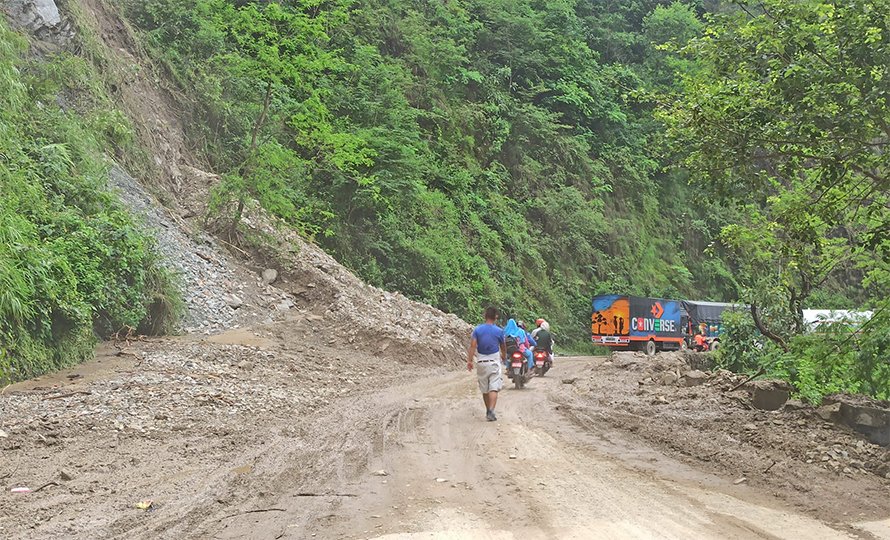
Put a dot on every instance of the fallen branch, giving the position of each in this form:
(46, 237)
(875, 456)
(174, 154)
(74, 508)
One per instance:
(62, 396)
(258, 511)
(770, 467)
(325, 495)
(48, 484)
(760, 372)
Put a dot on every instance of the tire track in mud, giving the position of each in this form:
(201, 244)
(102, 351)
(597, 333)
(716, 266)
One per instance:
(566, 483)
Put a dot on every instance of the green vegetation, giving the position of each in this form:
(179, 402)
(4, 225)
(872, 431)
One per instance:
(521, 153)
(72, 263)
(464, 152)
(786, 119)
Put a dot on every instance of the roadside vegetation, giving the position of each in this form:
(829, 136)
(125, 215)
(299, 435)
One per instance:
(519, 153)
(73, 264)
(785, 119)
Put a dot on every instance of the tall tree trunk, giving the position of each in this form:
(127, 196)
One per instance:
(245, 169)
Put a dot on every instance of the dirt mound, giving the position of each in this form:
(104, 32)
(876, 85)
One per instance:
(355, 314)
(792, 451)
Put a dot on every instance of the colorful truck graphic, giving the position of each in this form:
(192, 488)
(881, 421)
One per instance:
(637, 323)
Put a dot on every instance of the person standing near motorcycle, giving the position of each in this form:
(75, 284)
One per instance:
(488, 348)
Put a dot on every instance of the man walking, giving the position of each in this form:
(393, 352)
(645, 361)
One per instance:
(488, 349)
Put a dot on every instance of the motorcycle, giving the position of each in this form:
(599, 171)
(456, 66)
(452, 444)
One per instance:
(542, 362)
(518, 370)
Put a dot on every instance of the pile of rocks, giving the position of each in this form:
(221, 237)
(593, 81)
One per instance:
(177, 386)
(218, 292)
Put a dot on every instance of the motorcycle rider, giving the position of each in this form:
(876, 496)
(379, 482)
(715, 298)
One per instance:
(527, 345)
(538, 323)
(542, 324)
(545, 340)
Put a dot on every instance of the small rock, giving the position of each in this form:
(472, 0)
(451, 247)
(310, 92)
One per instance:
(668, 378)
(512, 456)
(741, 480)
(441, 480)
(233, 301)
(693, 378)
(660, 400)
(570, 380)
(750, 427)
(381, 472)
(829, 413)
(66, 475)
(3, 434)
(270, 276)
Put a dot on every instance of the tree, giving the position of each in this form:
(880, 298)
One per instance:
(788, 119)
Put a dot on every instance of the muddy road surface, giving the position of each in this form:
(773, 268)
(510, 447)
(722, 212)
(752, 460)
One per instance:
(409, 456)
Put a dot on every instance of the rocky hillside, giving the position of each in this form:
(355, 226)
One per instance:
(280, 278)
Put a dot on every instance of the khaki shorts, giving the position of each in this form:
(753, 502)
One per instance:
(489, 376)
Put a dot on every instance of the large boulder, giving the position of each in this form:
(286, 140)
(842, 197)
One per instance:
(40, 18)
(693, 378)
(769, 395)
(867, 416)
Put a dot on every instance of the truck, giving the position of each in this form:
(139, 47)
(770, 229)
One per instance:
(637, 323)
(705, 318)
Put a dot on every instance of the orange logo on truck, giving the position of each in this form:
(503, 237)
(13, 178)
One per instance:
(657, 311)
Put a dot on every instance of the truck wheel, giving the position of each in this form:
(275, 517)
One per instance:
(715, 345)
(650, 348)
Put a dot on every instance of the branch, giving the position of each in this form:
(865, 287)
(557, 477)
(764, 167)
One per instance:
(777, 339)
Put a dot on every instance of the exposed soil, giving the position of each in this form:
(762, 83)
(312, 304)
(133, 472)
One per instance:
(323, 407)
(237, 438)
(819, 467)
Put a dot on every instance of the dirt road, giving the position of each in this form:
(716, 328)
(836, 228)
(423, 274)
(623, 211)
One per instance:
(532, 474)
(258, 451)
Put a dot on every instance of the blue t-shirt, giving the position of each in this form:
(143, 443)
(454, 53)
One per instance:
(488, 338)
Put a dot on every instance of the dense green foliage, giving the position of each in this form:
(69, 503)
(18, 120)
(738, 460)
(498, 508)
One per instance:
(786, 117)
(464, 152)
(72, 263)
(835, 358)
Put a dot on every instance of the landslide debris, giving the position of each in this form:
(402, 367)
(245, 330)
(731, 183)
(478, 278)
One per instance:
(796, 450)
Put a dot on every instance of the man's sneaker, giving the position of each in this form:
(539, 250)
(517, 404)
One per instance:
(491, 417)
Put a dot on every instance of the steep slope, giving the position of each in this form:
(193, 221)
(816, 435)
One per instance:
(463, 153)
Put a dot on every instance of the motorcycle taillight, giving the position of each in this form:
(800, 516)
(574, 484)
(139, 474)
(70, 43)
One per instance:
(517, 355)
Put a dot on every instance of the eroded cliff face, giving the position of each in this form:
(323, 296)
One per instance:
(41, 18)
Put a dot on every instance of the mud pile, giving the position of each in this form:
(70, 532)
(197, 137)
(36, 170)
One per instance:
(357, 315)
(703, 417)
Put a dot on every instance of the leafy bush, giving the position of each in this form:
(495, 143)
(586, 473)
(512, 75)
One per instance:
(73, 264)
(838, 358)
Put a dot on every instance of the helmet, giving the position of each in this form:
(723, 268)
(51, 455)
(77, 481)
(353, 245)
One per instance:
(539, 322)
